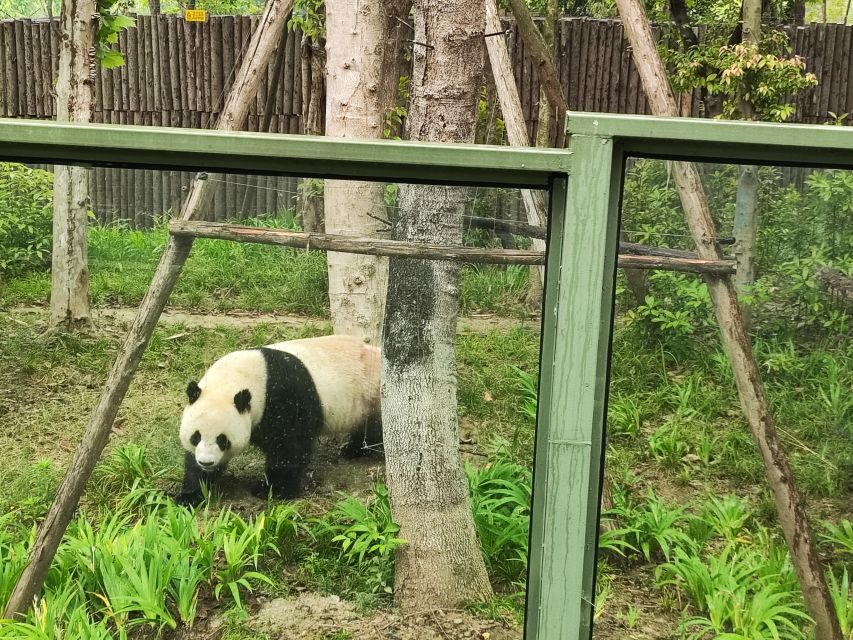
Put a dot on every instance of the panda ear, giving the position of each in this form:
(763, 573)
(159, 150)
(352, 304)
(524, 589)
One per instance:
(193, 391)
(242, 400)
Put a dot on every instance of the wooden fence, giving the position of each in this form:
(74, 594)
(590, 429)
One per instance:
(177, 73)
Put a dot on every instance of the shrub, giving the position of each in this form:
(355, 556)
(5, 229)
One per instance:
(26, 210)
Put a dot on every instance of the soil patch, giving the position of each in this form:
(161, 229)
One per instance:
(105, 317)
(310, 616)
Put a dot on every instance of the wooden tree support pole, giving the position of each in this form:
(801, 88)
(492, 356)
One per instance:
(397, 248)
(261, 46)
(753, 399)
(513, 114)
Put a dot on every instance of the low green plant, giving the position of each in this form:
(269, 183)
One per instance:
(241, 543)
(526, 384)
(365, 535)
(743, 591)
(842, 599)
(726, 516)
(500, 499)
(667, 444)
(651, 527)
(840, 536)
(624, 416)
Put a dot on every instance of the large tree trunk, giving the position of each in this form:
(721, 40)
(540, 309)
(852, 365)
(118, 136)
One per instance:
(362, 72)
(753, 399)
(441, 565)
(69, 291)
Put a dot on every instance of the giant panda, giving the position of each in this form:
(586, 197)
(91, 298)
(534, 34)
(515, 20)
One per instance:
(280, 398)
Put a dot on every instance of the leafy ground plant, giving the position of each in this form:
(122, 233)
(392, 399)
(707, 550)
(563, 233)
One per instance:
(500, 499)
(365, 535)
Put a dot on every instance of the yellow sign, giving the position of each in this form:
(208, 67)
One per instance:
(195, 15)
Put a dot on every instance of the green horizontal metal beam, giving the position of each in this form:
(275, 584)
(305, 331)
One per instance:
(724, 141)
(295, 155)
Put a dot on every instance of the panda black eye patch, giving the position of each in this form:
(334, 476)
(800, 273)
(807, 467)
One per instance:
(195, 438)
(223, 442)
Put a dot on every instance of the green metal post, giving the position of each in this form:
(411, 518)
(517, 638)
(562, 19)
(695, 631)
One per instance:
(572, 393)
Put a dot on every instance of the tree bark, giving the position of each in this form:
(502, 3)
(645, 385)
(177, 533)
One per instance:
(69, 291)
(635, 256)
(442, 564)
(753, 399)
(362, 73)
(746, 203)
(242, 94)
(745, 232)
(516, 128)
(536, 277)
(313, 102)
(538, 50)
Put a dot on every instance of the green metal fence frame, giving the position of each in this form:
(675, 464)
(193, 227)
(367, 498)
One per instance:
(581, 269)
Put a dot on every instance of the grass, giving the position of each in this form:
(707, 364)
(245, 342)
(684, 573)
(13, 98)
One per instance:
(688, 485)
(224, 276)
(676, 435)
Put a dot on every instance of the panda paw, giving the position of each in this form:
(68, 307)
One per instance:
(189, 499)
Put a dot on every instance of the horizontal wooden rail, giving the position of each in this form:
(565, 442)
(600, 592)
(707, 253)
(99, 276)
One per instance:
(381, 247)
(541, 233)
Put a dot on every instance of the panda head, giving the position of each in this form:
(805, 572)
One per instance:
(215, 427)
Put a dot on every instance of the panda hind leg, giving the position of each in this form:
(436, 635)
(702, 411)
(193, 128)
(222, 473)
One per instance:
(283, 481)
(363, 441)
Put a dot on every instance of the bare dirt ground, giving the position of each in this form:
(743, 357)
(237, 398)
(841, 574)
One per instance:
(308, 616)
(478, 323)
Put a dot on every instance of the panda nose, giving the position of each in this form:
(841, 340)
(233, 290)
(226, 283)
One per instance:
(206, 463)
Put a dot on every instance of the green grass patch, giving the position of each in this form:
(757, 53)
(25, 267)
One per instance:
(224, 276)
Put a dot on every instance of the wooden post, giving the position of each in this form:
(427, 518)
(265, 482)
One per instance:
(516, 128)
(50, 533)
(753, 399)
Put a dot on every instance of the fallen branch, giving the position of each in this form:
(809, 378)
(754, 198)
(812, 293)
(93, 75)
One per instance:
(396, 248)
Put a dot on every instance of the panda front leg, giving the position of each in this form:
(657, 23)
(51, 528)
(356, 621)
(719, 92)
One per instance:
(191, 488)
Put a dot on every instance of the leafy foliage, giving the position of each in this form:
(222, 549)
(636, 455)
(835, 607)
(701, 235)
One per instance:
(310, 17)
(110, 24)
(766, 76)
(26, 210)
(739, 591)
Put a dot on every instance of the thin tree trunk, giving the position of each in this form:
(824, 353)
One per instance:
(313, 100)
(362, 72)
(746, 203)
(263, 42)
(69, 291)
(538, 50)
(745, 232)
(441, 565)
(753, 399)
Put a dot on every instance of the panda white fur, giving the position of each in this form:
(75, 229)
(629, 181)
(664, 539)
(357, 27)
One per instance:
(280, 398)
